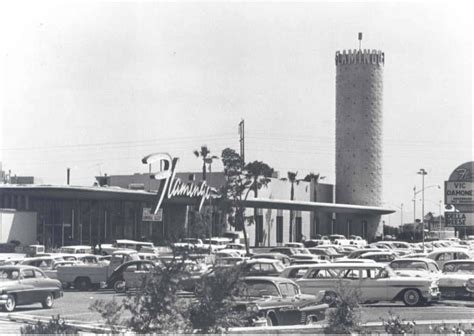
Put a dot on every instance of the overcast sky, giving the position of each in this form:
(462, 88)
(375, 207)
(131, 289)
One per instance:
(95, 86)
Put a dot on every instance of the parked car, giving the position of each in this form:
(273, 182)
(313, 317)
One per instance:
(262, 267)
(457, 279)
(24, 285)
(76, 249)
(295, 271)
(297, 245)
(375, 282)
(129, 275)
(238, 247)
(83, 276)
(288, 251)
(123, 244)
(215, 243)
(441, 256)
(324, 253)
(418, 267)
(380, 257)
(280, 302)
(188, 243)
(277, 256)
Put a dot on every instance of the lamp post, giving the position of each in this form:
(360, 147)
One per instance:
(422, 172)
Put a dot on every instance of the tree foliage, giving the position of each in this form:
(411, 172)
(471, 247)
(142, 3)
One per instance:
(213, 310)
(241, 179)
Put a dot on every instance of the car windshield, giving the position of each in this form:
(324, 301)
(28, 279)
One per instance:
(9, 274)
(260, 289)
(408, 265)
(459, 267)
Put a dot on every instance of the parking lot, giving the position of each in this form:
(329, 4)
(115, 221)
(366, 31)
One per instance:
(74, 306)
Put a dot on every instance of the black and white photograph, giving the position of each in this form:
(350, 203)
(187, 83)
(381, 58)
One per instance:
(236, 167)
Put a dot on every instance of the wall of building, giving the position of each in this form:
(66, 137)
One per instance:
(18, 225)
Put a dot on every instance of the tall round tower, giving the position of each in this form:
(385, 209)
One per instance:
(359, 93)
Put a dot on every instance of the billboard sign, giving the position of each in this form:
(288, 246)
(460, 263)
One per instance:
(173, 186)
(459, 193)
(459, 219)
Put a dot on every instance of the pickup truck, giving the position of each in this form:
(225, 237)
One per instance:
(84, 277)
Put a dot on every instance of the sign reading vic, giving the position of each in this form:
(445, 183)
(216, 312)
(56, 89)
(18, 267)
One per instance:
(171, 186)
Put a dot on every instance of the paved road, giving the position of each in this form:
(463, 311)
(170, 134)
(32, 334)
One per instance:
(74, 306)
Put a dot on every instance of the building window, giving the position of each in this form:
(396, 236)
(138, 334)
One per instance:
(279, 228)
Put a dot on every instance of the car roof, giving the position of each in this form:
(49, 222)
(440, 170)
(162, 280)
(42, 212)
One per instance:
(377, 253)
(448, 249)
(348, 265)
(459, 261)
(261, 260)
(270, 254)
(427, 260)
(276, 280)
(20, 267)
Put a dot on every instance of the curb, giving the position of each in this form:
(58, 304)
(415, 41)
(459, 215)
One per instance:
(454, 303)
(78, 326)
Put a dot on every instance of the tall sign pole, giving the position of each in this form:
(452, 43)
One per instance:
(242, 139)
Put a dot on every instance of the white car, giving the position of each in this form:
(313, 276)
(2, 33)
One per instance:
(239, 248)
(215, 243)
(417, 267)
(380, 257)
(441, 256)
(373, 282)
(188, 243)
(457, 279)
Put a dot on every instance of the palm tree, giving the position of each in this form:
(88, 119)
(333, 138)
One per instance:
(204, 153)
(314, 180)
(259, 173)
(292, 179)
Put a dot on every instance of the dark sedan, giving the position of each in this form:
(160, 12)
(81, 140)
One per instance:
(24, 285)
(280, 302)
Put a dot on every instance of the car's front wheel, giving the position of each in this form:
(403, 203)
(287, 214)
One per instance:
(411, 297)
(120, 286)
(10, 303)
(48, 301)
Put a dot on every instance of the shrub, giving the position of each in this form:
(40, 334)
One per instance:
(56, 326)
(345, 317)
(394, 325)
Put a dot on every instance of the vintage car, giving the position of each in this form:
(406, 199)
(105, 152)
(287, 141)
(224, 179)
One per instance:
(277, 256)
(417, 267)
(324, 253)
(457, 279)
(373, 282)
(295, 271)
(188, 244)
(215, 243)
(280, 302)
(288, 251)
(444, 255)
(76, 249)
(239, 248)
(380, 257)
(85, 276)
(24, 285)
(294, 244)
(262, 267)
(129, 275)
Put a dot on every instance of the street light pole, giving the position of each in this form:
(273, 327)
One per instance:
(414, 204)
(401, 215)
(423, 172)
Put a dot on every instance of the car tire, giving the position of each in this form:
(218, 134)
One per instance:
(65, 285)
(48, 301)
(412, 297)
(10, 303)
(120, 286)
(271, 320)
(82, 284)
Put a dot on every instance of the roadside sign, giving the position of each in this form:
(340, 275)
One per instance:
(459, 219)
(151, 217)
(459, 193)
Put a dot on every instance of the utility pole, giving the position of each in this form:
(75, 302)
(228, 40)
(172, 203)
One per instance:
(242, 139)
(414, 204)
(423, 172)
(68, 175)
(401, 215)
